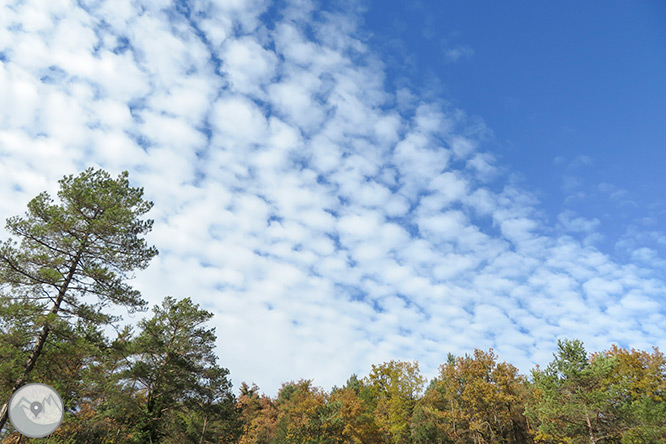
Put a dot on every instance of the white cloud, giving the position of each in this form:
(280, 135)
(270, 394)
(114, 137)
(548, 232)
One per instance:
(325, 227)
(458, 52)
(294, 99)
(240, 122)
(418, 161)
(571, 223)
(248, 65)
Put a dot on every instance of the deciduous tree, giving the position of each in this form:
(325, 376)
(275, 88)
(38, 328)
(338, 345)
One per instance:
(638, 388)
(395, 387)
(299, 405)
(258, 416)
(354, 405)
(474, 399)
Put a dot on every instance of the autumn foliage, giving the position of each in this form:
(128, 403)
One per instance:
(160, 382)
(615, 396)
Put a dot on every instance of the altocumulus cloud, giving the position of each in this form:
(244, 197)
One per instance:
(327, 224)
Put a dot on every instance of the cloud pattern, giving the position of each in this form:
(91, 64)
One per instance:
(328, 223)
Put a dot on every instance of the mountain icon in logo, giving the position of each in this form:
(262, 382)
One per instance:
(36, 410)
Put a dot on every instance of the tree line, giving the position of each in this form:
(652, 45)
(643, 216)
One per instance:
(64, 272)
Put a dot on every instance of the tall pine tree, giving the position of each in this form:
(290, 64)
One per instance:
(67, 261)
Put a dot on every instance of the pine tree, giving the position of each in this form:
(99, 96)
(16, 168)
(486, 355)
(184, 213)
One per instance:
(573, 400)
(174, 385)
(67, 261)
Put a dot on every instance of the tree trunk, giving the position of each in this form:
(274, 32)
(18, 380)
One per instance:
(589, 429)
(203, 432)
(41, 340)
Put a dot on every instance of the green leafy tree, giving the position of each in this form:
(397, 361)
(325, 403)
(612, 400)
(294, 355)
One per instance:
(574, 400)
(65, 361)
(18, 327)
(395, 386)
(173, 380)
(209, 415)
(638, 392)
(69, 260)
(98, 413)
(299, 406)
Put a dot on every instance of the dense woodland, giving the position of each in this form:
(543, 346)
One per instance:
(63, 270)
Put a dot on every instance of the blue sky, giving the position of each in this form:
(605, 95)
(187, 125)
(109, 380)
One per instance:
(379, 181)
(553, 82)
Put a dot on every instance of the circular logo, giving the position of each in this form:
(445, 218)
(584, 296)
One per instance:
(36, 410)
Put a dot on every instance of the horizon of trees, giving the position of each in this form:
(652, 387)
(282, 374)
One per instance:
(160, 381)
